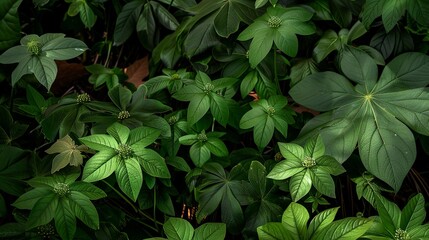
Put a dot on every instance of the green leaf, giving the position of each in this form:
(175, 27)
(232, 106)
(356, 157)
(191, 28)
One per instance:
(390, 142)
(88, 189)
(329, 165)
(43, 211)
(83, 209)
(389, 213)
(217, 147)
(87, 16)
(321, 220)
(392, 12)
(292, 151)
(164, 16)
(10, 26)
(371, 10)
(257, 177)
(65, 221)
(314, 147)
(252, 118)
(210, 231)
(419, 232)
(286, 169)
(201, 37)
(143, 136)
(129, 177)
(126, 21)
(178, 229)
(330, 89)
(366, 73)
(152, 163)
(300, 184)
(273, 231)
(414, 213)
(119, 132)
(100, 142)
(295, 219)
(44, 69)
(344, 229)
(263, 132)
(100, 166)
(199, 154)
(30, 198)
(197, 108)
(418, 11)
(232, 214)
(61, 48)
(329, 42)
(219, 108)
(323, 182)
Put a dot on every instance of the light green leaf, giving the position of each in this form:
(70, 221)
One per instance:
(219, 109)
(119, 132)
(419, 232)
(323, 182)
(252, 118)
(292, 151)
(389, 213)
(83, 209)
(344, 229)
(88, 189)
(300, 184)
(44, 69)
(329, 165)
(87, 16)
(286, 169)
(295, 219)
(100, 166)
(321, 220)
(273, 231)
(414, 213)
(178, 229)
(100, 142)
(314, 147)
(210, 231)
(152, 163)
(65, 221)
(129, 177)
(263, 132)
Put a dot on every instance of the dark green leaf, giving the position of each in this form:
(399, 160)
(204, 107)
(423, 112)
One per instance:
(43, 211)
(83, 209)
(178, 229)
(65, 221)
(9, 24)
(210, 231)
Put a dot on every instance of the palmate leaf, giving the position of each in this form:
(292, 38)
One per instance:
(279, 26)
(381, 110)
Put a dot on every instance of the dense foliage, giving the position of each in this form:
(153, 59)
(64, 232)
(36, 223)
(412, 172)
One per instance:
(214, 119)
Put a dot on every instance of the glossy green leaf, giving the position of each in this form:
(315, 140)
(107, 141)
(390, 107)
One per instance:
(300, 184)
(30, 198)
(314, 147)
(129, 177)
(273, 231)
(210, 231)
(217, 147)
(344, 229)
(152, 163)
(295, 219)
(178, 229)
(292, 151)
(323, 182)
(100, 142)
(389, 213)
(199, 154)
(286, 169)
(414, 213)
(100, 166)
(321, 220)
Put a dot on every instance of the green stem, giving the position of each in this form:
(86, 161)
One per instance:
(131, 204)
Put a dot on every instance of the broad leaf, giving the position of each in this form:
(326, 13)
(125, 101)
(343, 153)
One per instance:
(300, 184)
(83, 209)
(129, 177)
(100, 166)
(344, 229)
(178, 229)
(295, 220)
(321, 220)
(273, 231)
(9, 24)
(43, 211)
(414, 213)
(210, 231)
(65, 221)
